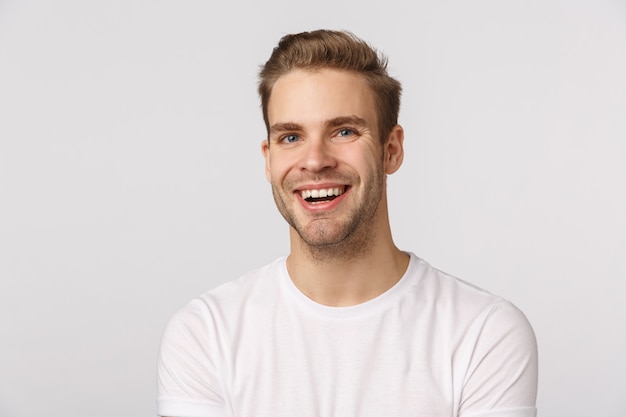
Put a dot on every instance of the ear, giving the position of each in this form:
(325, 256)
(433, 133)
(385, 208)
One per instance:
(265, 149)
(394, 150)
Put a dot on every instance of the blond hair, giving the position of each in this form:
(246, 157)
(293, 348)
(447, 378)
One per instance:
(338, 50)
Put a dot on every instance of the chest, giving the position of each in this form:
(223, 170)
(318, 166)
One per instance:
(292, 364)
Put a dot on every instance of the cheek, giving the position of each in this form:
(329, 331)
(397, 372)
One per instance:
(277, 171)
(365, 163)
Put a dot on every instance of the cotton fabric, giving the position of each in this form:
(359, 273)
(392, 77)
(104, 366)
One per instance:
(431, 346)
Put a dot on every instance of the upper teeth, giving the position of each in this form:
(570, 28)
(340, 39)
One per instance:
(324, 192)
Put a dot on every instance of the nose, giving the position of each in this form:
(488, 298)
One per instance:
(318, 155)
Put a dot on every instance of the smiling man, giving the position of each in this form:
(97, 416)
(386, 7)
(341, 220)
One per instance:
(347, 324)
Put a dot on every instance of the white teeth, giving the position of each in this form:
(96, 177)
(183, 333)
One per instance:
(321, 193)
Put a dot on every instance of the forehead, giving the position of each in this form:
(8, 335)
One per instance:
(310, 96)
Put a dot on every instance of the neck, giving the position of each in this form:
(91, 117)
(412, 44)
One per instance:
(348, 273)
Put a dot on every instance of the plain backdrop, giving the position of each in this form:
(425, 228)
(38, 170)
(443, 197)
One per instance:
(131, 178)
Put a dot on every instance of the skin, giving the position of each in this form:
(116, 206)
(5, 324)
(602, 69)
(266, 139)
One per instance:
(323, 135)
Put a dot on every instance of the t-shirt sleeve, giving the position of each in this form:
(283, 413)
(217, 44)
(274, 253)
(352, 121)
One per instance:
(501, 379)
(188, 378)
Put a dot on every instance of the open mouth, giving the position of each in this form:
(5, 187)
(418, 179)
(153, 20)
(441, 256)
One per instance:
(322, 194)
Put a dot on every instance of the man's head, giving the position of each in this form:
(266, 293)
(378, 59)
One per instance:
(337, 50)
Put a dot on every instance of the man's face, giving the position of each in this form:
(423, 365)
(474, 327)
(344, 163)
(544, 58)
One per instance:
(324, 159)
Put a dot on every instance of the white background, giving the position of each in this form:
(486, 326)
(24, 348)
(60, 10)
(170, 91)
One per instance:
(131, 178)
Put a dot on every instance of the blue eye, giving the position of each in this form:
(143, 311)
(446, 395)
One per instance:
(345, 132)
(290, 138)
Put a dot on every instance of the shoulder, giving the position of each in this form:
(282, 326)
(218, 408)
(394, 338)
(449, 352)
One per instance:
(467, 307)
(195, 341)
(224, 300)
(494, 349)
(447, 290)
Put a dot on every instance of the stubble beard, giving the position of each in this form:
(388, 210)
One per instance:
(338, 239)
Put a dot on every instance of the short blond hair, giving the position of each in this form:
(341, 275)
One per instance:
(338, 50)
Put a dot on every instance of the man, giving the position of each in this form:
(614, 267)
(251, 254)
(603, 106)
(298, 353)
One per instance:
(346, 324)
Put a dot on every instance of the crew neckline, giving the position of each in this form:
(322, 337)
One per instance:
(377, 303)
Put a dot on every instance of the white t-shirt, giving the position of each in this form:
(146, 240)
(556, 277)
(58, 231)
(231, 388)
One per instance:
(431, 346)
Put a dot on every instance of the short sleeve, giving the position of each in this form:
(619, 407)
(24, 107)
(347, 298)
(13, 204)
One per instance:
(188, 378)
(501, 379)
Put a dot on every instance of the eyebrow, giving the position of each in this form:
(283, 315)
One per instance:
(346, 120)
(285, 127)
(336, 122)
